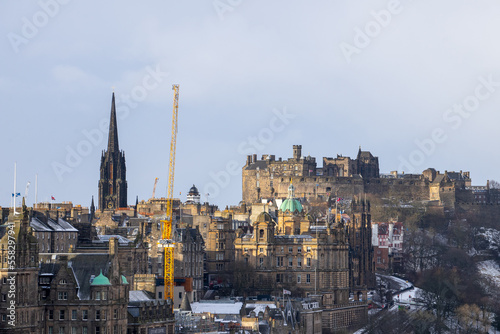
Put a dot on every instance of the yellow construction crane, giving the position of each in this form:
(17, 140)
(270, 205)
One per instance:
(154, 188)
(167, 241)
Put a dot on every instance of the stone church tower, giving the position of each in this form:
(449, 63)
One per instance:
(113, 181)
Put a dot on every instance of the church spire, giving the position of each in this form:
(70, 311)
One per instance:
(113, 129)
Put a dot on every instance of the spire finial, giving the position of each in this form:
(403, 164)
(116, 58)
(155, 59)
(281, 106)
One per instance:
(113, 129)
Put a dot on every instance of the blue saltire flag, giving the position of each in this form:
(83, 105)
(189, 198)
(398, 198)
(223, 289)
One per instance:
(17, 194)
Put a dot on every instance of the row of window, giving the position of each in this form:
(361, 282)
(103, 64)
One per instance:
(99, 315)
(84, 330)
(280, 261)
(290, 248)
(71, 236)
(280, 278)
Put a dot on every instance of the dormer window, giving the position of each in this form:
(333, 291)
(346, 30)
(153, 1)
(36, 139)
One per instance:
(63, 281)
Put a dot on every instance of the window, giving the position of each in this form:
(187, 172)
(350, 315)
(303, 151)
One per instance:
(290, 261)
(61, 315)
(308, 249)
(62, 295)
(51, 314)
(308, 262)
(51, 330)
(4, 280)
(98, 330)
(98, 295)
(97, 314)
(180, 295)
(104, 315)
(85, 330)
(299, 249)
(73, 330)
(115, 311)
(261, 261)
(73, 314)
(299, 262)
(299, 280)
(115, 329)
(261, 250)
(308, 278)
(279, 278)
(85, 314)
(61, 330)
(261, 234)
(104, 295)
(290, 249)
(4, 297)
(279, 261)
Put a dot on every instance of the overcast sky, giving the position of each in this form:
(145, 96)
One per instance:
(417, 83)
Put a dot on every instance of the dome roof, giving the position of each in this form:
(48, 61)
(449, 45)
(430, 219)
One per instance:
(193, 190)
(291, 204)
(101, 280)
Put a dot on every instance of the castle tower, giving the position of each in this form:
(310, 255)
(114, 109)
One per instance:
(113, 181)
(297, 151)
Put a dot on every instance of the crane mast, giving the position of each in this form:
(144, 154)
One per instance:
(167, 239)
(154, 188)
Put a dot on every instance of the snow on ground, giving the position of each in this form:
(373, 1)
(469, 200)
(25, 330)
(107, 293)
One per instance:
(493, 237)
(406, 297)
(491, 270)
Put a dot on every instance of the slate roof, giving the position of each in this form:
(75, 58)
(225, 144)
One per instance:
(51, 225)
(86, 265)
(217, 307)
(262, 164)
(138, 296)
(121, 240)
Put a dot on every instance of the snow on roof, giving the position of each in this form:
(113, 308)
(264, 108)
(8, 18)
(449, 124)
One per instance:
(51, 225)
(257, 308)
(217, 307)
(138, 296)
(39, 226)
(121, 240)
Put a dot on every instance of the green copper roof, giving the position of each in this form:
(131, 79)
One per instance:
(291, 204)
(124, 280)
(101, 280)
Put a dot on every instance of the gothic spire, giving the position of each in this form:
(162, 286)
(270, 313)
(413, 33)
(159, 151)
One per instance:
(113, 129)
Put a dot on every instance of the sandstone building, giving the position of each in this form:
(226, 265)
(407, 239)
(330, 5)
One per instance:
(315, 259)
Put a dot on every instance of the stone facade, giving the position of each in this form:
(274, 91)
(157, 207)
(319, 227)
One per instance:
(189, 260)
(323, 260)
(268, 178)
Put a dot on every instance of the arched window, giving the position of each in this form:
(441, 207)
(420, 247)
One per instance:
(261, 233)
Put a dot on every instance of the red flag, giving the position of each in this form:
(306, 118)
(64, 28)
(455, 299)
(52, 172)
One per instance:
(53, 198)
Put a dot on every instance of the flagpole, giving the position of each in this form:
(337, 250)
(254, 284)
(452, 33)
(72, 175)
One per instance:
(15, 176)
(36, 190)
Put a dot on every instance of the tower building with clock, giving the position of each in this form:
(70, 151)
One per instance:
(113, 181)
